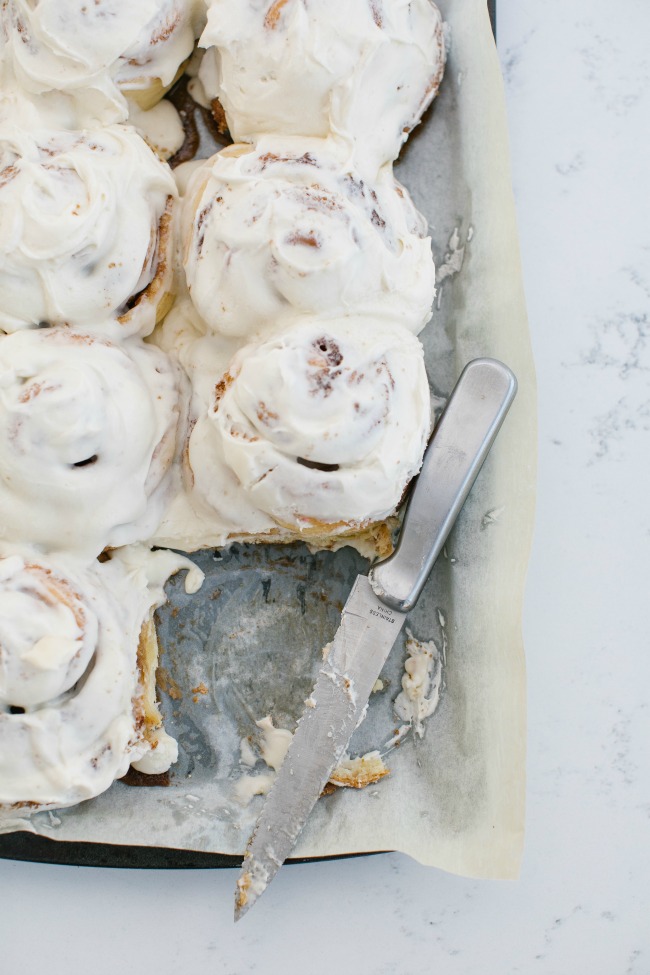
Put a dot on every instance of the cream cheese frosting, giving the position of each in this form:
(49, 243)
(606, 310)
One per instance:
(98, 51)
(324, 424)
(421, 683)
(353, 773)
(82, 226)
(69, 676)
(364, 70)
(288, 227)
(87, 437)
(161, 127)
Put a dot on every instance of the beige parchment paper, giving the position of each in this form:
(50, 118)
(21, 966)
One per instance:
(250, 642)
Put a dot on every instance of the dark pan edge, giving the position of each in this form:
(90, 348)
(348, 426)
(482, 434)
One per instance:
(40, 849)
(492, 7)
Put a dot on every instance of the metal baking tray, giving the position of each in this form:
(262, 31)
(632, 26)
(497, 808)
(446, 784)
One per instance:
(39, 849)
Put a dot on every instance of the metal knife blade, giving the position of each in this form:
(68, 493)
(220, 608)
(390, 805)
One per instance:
(373, 617)
(365, 637)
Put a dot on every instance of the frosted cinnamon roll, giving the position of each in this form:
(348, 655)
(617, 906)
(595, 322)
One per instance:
(87, 438)
(99, 51)
(85, 229)
(317, 430)
(287, 228)
(363, 69)
(74, 711)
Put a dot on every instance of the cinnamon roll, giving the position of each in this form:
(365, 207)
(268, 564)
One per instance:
(100, 51)
(73, 707)
(364, 70)
(317, 430)
(288, 228)
(87, 439)
(85, 230)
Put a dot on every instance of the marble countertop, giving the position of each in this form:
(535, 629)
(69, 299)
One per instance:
(577, 79)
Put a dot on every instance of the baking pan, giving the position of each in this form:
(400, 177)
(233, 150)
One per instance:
(30, 847)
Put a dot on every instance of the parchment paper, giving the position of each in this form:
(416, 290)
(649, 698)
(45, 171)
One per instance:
(250, 643)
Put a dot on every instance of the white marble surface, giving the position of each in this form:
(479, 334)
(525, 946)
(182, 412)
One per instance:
(579, 104)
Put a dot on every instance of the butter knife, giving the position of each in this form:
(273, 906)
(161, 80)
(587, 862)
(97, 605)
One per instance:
(373, 617)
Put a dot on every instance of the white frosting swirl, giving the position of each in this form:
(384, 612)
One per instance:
(70, 682)
(322, 425)
(46, 635)
(363, 69)
(97, 50)
(86, 440)
(84, 227)
(288, 227)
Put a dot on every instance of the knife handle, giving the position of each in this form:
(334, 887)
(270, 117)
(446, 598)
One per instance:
(460, 443)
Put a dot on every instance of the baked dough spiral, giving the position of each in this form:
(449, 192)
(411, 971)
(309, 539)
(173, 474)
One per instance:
(287, 228)
(85, 229)
(99, 51)
(320, 427)
(87, 437)
(71, 687)
(363, 69)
